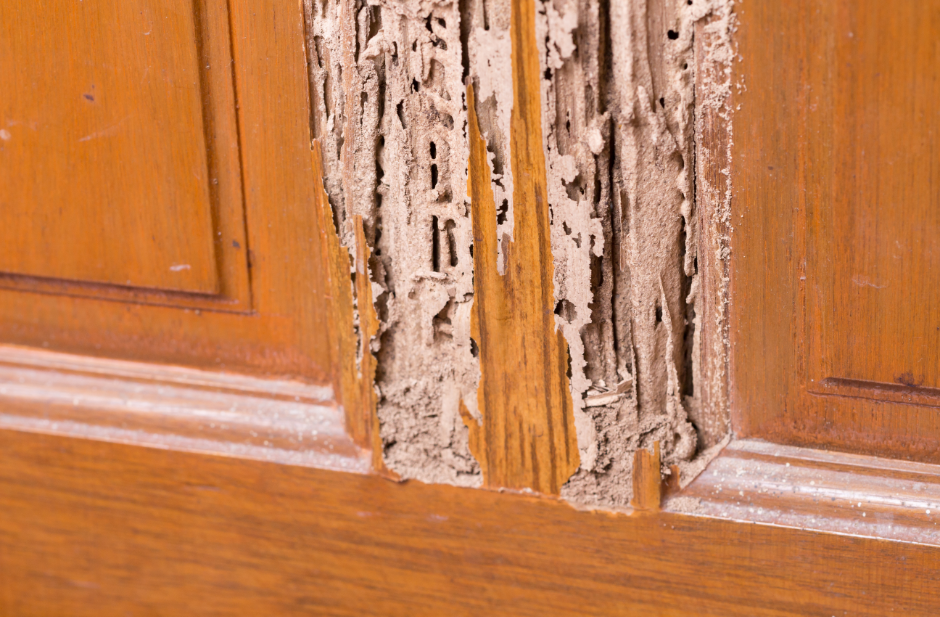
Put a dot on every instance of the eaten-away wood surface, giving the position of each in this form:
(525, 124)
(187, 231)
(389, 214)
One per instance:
(836, 214)
(277, 325)
(526, 436)
(105, 529)
(353, 322)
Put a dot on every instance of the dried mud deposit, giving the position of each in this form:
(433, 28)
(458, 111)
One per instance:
(618, 111)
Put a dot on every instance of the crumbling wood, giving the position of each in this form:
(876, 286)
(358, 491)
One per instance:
(353, 364)
(526, 436)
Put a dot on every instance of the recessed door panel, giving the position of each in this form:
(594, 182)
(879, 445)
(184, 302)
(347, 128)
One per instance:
(105, 172)
(836, 211)
(873, 256)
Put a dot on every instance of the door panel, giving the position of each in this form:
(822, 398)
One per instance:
(873, 259)
(102, 271)
(243, 483)
(105, 160)
(837, 227)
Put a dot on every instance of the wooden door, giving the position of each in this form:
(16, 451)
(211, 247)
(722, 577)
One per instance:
(187, 408)
(837, 256)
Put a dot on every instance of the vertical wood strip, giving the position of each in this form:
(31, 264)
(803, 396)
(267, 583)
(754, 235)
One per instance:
(712, 168)
(364, 381)
(353, 364)
(526, 438)
(647, 479)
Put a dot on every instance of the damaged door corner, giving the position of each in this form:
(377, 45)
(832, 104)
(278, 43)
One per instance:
(354, 323)
(535, 294)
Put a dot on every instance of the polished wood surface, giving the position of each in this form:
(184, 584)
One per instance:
(174, 407)
(836, 216)
(269, 316)
(103, 529)
(755, 481)
(526, 436)
(103, 166)
(873, 216)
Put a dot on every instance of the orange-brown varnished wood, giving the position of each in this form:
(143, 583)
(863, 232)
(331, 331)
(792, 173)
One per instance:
(256, 136)
(836, 215)
(526, 436)
(104, 167)
(103, 529)
(647, 479)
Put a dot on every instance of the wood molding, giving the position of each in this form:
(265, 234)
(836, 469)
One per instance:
(175, 408)
(106, 529)
(289, 422)
(862, 496)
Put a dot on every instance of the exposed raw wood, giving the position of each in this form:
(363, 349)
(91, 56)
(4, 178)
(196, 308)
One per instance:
(368, 329)
(713, 109)
(387, 83)
(103, 529)
(849, 494)
(526, 436)
(352, 321)
(647, 479)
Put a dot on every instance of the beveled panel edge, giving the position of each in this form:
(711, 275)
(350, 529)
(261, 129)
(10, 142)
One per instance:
(909, 394)
(754, 481)
(175, 408)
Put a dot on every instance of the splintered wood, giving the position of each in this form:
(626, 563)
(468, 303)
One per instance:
(353, 364)
(521, 173)
(526, 436)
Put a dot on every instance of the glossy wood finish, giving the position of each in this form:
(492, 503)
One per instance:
(119, 159)
(104, 529)
(278, 325)
(177, 408)
(862, 496)
(526, 436)
(836, 262)
(106, 144)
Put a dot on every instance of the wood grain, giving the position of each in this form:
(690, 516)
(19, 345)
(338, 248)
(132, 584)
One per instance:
(836, 216)
(105, 173)
(278, 326)
(713, 113)
(526, 437)
(353, 323)
(105, 529)
(647, 479)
